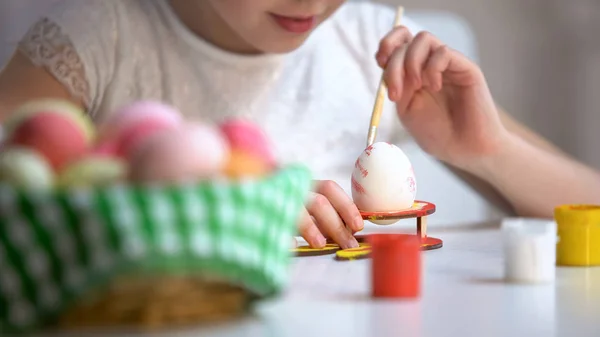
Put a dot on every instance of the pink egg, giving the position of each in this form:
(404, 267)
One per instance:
(246, 136)
(190, 153)
(136, 134)
(135, 122)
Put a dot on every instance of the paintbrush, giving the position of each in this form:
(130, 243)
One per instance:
(381, 93)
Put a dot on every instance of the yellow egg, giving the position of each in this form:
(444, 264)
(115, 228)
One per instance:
(93, 170)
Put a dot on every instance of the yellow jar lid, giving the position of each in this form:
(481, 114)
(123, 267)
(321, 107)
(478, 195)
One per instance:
(579, 209)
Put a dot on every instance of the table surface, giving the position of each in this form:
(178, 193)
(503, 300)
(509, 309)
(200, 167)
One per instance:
(463, 295)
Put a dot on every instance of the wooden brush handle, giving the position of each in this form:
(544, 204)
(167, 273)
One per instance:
(381, 93)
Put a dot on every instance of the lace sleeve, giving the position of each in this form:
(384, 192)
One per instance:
(46, 45)
(77, 42)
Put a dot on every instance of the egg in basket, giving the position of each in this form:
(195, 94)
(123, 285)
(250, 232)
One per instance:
(146, 221)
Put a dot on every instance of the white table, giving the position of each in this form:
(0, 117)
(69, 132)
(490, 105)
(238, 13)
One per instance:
(463, 295)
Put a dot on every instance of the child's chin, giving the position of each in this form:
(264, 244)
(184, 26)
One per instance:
(282, 46)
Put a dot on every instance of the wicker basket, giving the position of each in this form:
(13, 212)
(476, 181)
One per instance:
(125, 255)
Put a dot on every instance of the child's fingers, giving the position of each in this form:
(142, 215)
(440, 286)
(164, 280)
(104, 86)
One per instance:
(342, 203)
(417, 55)
(438, 62)
(329, 222)
(403, 73)
(396, 38)
(400, 88)
(310, 232)
(394, 75)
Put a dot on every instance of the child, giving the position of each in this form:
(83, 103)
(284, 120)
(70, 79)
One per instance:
(305, 71)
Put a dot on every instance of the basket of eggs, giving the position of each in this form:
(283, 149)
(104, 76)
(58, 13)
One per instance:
(147, 220)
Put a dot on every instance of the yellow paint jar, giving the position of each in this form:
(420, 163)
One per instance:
(578, 234)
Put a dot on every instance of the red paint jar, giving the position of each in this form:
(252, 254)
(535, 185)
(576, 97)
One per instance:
(395, 265)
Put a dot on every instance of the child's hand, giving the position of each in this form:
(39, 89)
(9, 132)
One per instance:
(442, 97)
(330, 213)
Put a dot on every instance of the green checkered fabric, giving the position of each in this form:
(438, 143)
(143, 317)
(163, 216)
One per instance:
(57, 246)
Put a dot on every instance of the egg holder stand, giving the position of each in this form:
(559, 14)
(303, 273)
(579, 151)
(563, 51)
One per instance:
(419, 210)
(145, 257)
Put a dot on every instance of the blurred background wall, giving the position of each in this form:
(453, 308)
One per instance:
(542, 61)
(15, 18)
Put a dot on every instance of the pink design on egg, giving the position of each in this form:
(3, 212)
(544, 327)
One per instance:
(412, 185)
(363, 172)
(357, 186)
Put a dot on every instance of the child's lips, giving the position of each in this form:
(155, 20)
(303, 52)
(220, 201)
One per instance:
(295, 24)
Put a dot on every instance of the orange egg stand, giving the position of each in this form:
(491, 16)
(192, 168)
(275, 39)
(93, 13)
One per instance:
(420, 210)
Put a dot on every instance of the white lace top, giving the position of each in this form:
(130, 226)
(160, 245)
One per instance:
(314, 103)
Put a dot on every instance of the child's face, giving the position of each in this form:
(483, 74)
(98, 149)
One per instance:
(274, 26)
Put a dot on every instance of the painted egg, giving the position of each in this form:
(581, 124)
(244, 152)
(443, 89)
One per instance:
(57, 130)
(193, 152)
(246, 136)
(25, 168)
(133, 124)
(93, 170)
(383, 180)
(242, 165)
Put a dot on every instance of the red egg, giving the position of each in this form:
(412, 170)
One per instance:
(55, 136)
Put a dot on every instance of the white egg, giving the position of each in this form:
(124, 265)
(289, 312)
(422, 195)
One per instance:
(383, 180)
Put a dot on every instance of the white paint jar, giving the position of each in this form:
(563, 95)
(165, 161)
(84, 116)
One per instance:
(529, 250)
